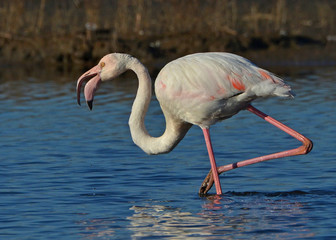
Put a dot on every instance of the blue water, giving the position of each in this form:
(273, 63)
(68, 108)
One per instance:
(68, 173)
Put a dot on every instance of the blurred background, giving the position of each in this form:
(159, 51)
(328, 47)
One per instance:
(69, 33)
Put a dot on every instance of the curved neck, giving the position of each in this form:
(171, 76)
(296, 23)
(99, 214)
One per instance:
(175, 129)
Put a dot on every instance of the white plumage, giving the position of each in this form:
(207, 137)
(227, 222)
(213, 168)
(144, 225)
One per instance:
(204, 88)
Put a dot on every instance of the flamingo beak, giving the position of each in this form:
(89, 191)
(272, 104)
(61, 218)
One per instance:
(93, 78)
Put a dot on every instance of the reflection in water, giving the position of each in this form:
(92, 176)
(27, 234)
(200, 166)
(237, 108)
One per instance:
(227, 216)
(96, 228)
(163, 221)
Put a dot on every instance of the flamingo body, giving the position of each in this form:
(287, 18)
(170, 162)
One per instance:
(198, 89)
(204, 88)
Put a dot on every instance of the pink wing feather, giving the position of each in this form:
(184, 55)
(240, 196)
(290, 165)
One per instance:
(207, 82)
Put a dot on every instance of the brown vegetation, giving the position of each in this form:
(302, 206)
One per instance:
(76, 31)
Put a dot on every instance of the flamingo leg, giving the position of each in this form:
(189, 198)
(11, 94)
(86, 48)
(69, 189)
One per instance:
(304, 149)
(212, 160)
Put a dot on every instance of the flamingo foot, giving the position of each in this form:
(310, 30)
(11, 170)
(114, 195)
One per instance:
(207, 184)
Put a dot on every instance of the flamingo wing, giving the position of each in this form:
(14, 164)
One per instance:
(207, 87)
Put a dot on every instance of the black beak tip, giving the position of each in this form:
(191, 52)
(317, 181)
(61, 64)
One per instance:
(89, 103)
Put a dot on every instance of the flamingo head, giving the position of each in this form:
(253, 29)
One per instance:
(109, 67)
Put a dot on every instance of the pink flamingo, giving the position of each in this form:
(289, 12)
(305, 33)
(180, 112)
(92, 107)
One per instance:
(198, 89)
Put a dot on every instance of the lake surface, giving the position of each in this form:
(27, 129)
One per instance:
(70, 173)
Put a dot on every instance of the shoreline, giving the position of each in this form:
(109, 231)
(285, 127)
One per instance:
(156, 53)
(69, 34)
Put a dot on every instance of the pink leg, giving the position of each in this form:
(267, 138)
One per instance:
(304, 149)
(212, 160)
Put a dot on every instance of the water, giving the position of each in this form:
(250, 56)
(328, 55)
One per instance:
(68, 173)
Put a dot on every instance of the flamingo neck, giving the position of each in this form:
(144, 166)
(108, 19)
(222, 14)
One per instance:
(175, 129)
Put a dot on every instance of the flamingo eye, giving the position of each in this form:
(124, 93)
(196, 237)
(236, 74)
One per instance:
(102, 64)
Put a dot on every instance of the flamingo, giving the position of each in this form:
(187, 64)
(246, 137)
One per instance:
(198, 89)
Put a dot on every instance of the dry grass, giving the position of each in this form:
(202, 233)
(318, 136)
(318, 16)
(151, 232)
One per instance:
(71, 30)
